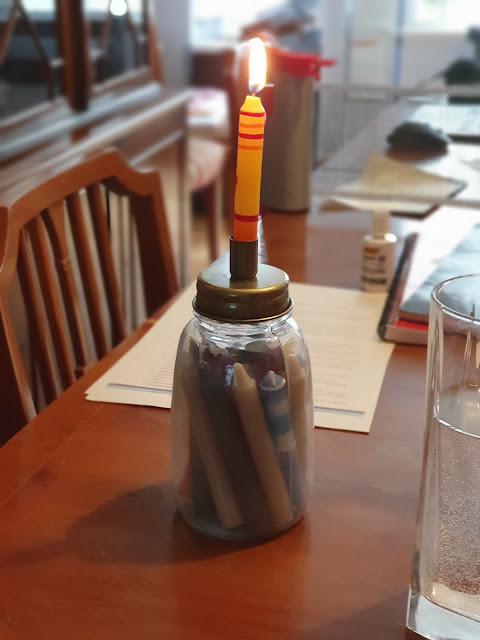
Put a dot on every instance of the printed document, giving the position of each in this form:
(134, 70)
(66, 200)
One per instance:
(348, 360)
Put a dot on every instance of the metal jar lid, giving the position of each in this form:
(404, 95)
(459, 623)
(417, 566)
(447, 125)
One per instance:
(262, 297)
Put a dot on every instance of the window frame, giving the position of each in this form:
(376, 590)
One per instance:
(77, 88)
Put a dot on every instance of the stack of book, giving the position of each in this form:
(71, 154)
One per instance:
(405, 315)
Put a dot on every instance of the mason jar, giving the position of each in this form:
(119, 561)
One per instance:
(242, 410)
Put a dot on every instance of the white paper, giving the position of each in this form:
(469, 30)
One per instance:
(473, 163)
(348, 359)
(339, 325)
(392, 180)
(144, 375)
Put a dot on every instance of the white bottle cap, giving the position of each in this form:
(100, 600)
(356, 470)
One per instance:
(380, 223)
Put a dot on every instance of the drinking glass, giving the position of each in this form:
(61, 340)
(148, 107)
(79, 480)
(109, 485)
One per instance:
(444, 601)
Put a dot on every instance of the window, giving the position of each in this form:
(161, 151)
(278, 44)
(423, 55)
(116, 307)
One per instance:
(213, 20)
(117, 38)
(31, 63)
(445, 15)
(71, 50)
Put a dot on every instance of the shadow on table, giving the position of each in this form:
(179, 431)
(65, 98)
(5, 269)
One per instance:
(141, 527)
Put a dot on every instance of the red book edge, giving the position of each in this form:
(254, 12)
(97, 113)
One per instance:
(390, 327)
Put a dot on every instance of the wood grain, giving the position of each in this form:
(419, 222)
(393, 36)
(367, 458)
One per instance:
(91, 544)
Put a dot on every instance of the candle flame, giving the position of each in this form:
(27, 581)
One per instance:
(257, 65)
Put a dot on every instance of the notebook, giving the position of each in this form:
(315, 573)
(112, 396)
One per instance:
(392, 328)
(463, 259)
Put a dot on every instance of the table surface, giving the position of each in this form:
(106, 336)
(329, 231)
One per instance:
(91, 545)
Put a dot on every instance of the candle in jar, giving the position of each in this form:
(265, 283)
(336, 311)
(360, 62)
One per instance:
(250, 149)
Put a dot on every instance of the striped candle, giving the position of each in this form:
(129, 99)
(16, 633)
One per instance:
(250, 150)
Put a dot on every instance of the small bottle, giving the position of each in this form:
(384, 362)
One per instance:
(378, 254)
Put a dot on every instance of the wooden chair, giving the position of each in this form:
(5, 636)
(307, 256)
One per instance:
(206, 171)
(211, 143)
(59, 254)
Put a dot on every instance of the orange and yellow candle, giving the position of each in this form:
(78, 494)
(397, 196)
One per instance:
(250, 149)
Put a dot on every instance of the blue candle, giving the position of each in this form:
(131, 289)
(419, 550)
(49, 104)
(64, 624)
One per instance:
(273, 390)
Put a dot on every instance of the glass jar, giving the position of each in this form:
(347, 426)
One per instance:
(242, 411)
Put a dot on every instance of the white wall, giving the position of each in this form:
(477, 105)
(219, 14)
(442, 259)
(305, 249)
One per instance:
(425, 54)
(375, 15)
(173, 28)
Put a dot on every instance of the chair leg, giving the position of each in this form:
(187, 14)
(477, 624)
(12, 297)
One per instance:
(214, 206)
(230, 178)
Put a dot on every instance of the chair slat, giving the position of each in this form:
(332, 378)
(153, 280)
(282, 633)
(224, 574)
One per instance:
(54, 218)
(159, 279)
(87, 272)
(43, 357)
(52, 302)
(102, 238)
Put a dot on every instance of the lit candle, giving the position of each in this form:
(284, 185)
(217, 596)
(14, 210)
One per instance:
(250, 149)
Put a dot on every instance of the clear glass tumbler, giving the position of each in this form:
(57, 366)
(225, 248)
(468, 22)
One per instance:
(444, 602)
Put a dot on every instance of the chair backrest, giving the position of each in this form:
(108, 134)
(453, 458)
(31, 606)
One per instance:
(70, 248)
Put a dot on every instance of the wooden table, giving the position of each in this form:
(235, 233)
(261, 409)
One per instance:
(91, 545)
